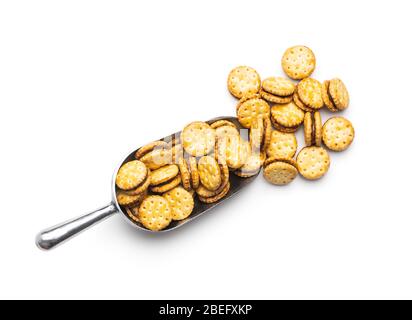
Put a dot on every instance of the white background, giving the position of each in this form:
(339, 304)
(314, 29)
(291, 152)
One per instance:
(82, 83)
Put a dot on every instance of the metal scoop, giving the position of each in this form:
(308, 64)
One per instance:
(56, 235)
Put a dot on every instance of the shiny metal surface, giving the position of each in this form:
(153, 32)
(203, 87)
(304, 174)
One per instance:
(54, 236)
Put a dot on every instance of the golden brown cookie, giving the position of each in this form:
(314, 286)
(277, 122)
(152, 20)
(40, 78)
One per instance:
(308, 129)
(252, 166)
(167, 186)
(338, 133)
(217, 197)
(233, 151)
(226, 130)
(155, 213)
(157, 158)
(194, 173)
(164, 174)
(300, 104)
(275, 99)
(270, 160)
(339, 94)
(150, 147)
(313, 162)
(326, 97)
(132, 213)
(131, 175)
(185, 173)
(282, 145)
(243, 81)
(126, 200)
(310, 93)
(142, 187)
(251, 108)
(181, 203)
(280, 173)
(220, 123)
(267, 134)
(198, 139)
(280, 128)
(298, 62)
(209, 173)
(287, 115)
(317, 128)
(206, 193)
(256, 134)
(278, 86)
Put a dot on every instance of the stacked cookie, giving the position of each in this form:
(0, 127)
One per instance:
(289, 105)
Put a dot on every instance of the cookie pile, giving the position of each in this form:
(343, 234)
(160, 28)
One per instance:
(160, 185)
(166, 179)
(288, 105)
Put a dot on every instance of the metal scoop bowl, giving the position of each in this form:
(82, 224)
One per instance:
(54, 236)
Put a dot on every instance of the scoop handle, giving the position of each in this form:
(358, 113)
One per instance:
(52, 237)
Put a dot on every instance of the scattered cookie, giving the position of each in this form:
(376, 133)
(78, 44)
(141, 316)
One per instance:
(280, 173)
(317, 128)
(275, 99)
(194, 173)
(164, 174)
(308, 129)
(313, 162)
(338, 133)
(267, 136)
(310, 93)
(243, 81)
(282, 145)
(198, 139)
(278, 86)
(300, 104)
(339, 94)
(206, 193)
(252, 165)
(142, 187)
(157, 158)
(209, 173)
(326, 97)
(155, 213)
(251, 108)
(298, 62)
(150, 147)
(221, 123)
(181, 203)
(217, 197)
(256, 134)
(128, 200)
(287, 115)
(185, 173)
(167, 186)
(131, 175)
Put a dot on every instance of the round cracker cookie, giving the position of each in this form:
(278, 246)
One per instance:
(181, 203)
(326, 97)
(282, 145)
(308, 129)
(132, 213)
(243, 81)
(155, 213)
(157, 158)
(185, 173)
(221, 123)
(280, 128)
(198, 139)
(150, 147)
(127, 200)
(287, 115)
(209, 173)
(280, 173)
(194, 173)
(278, 86)
(206, 193)
(270, 160)
(275, 99)
(256, 133)
(317, 128)
(339, 94)
(167, 186)
(338, 133)
(313, 162)
(164, 174)
(142, 187)
(252, 165)
(300, 104)
(217, 197)
(267, 134)
(233, 151)
(226, 130)
(131, 175)
(310, 93)
(298, 62)
(252, 108)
